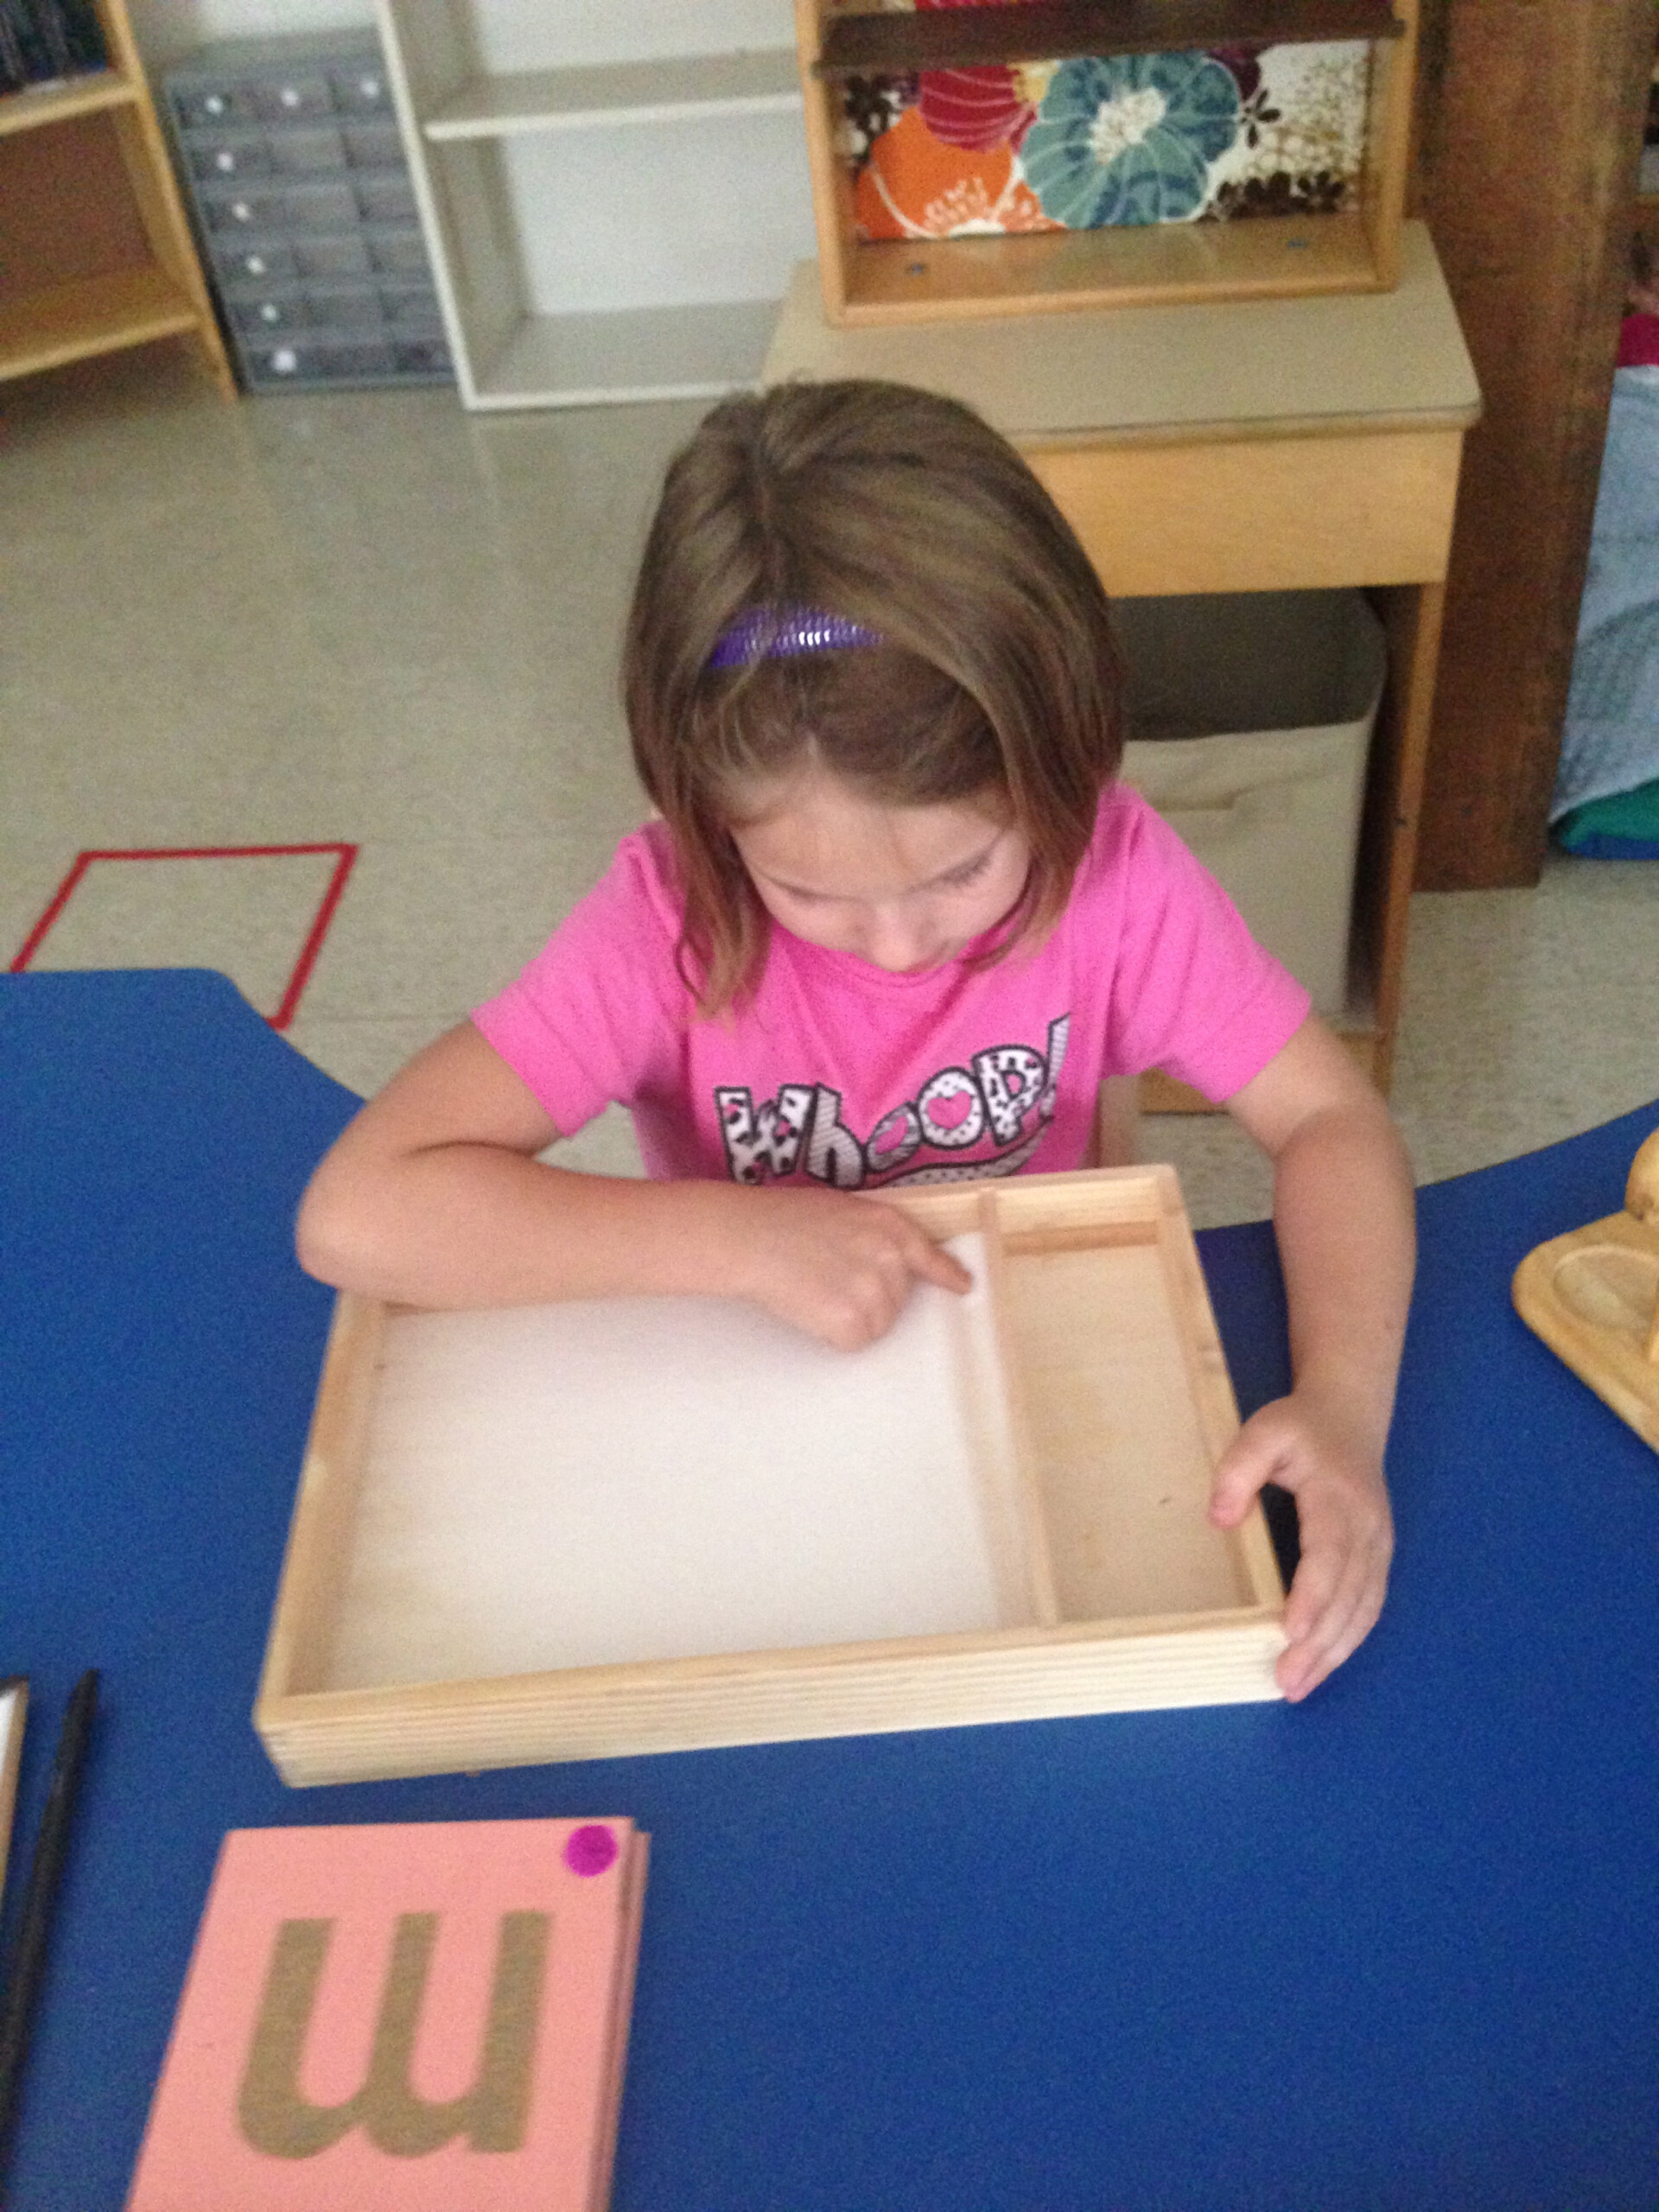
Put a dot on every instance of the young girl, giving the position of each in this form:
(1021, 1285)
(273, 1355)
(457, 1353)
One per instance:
(897, 924)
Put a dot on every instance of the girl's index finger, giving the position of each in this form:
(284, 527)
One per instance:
(934, 1264)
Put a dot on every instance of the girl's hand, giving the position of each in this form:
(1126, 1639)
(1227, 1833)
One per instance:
(839, 1267)
(1335, 1475)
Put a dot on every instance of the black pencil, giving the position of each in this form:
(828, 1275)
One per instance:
(50, 1846)
(14, 1692)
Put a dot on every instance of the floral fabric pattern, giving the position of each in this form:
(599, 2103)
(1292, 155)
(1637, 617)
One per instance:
(1130, 140)
(921, 188)
(977, 108)
(1085, 143)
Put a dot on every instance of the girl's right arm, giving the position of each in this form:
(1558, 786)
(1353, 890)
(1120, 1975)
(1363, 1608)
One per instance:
(433, 1196)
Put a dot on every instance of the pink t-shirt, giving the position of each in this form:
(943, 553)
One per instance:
(838, 1072)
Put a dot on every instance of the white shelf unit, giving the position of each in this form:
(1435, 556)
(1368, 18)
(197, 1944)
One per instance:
(602, 225)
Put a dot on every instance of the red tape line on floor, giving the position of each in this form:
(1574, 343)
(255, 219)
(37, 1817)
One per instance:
(346, 858)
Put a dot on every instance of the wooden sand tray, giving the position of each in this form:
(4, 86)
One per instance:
(648, 1524)
(1593, 1297)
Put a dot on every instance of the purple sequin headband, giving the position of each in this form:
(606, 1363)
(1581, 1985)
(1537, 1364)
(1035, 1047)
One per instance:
(779, 633)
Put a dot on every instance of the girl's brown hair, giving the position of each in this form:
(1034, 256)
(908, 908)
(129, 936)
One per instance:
(906, 513)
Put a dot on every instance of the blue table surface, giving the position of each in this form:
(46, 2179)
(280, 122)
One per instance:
(1394, 1948)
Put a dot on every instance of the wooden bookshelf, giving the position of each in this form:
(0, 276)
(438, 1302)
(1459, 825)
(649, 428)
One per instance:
(59, 103)
(99, 254)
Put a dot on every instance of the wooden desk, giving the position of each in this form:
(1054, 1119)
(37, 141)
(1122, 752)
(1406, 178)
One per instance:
(1253, 446)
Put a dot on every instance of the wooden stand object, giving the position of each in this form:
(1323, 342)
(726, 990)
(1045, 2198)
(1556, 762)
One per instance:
(1262, 445)
(1593, 1297)
(644, 1525)
(95, 248)
(1133, 264)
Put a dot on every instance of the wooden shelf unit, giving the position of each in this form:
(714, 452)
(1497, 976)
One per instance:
(867, 281)
(99, 254)
(61, 102)
(460, 118)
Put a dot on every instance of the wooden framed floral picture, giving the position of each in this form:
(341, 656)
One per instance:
(957, 170)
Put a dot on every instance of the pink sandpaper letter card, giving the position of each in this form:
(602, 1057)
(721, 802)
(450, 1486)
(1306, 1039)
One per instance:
(402, 2018)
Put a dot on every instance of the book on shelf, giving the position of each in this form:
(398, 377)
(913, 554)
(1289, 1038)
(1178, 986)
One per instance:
(74, 35)
(42, 41)
(402, 2019)
(23, 56)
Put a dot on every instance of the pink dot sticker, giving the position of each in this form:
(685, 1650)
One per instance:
(590, 1850)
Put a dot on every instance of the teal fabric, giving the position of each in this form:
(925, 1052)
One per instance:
(1130, 140)
(1609, 738)
(1623, 827)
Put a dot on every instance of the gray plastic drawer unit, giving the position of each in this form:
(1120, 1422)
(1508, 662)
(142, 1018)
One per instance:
(311, 146)
(338, 253)
(294, 169)
(256, 261)
(217, 155)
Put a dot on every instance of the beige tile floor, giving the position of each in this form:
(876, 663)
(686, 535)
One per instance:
(371, 618)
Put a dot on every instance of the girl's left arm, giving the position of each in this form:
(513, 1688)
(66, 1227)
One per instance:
(1344, 1215)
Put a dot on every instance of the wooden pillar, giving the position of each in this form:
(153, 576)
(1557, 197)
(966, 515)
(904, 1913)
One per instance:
(1529, 128)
